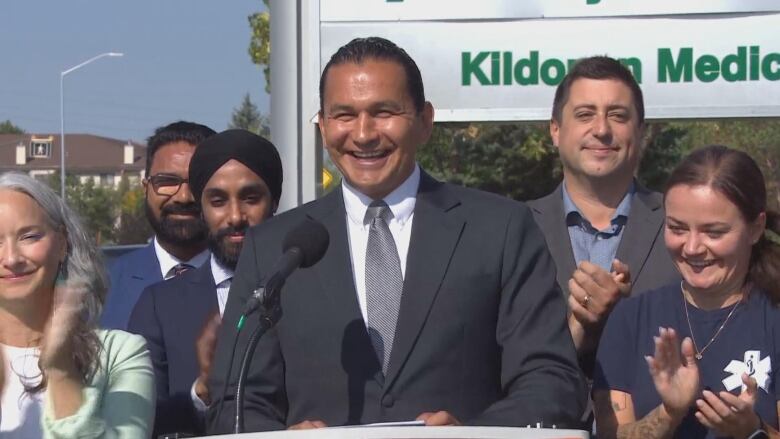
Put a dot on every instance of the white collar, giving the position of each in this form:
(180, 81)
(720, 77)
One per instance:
(219, 271)
(401, 200)
(168, 261)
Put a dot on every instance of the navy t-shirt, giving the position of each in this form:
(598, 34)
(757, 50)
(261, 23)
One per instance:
(750, 342)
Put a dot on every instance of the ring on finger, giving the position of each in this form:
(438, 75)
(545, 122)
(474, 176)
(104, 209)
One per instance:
(586, 301)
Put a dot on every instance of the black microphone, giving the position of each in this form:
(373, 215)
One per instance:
(303, 246)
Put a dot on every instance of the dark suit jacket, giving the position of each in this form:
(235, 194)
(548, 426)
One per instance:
(641, 247)
(129, 275)
(171, 315)
(481, 331)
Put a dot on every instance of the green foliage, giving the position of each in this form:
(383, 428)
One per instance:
(246, 116)
(665, 146)
(111, 215)
(94, 204)
(515, 160)
(7, 127)
(260, 43)
(133, 227)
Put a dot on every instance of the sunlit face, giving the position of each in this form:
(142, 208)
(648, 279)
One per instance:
(174, 218)
(30, 249)
(599, 133)
(370, 126)
(234, 199)
(708, 239)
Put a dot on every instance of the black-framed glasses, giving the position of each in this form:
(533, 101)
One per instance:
(166, 184)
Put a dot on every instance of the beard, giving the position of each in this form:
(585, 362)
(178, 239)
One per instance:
(183, 232)
(224, 251)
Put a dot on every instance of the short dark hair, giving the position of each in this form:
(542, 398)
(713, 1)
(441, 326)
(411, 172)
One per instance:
(181, 131)
(598, 67)
(376, 48)
(736, 176)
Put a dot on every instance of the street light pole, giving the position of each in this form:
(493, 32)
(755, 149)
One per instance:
(62, 113)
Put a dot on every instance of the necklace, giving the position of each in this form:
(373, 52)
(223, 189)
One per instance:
(700, 353)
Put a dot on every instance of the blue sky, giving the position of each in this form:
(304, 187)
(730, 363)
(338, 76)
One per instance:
(184, 59)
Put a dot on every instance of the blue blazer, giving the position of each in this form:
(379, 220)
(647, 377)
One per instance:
(129, 275)
(171, 315)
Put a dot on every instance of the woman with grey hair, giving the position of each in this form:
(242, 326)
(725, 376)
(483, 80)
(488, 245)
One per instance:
(61, 376)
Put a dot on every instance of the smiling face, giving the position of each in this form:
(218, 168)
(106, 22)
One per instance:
(175, 217)
(599, 133)
(30, 249)
(708, 239)
(370, 126)
(234, 199)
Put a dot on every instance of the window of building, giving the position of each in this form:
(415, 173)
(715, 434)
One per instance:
(40, 147)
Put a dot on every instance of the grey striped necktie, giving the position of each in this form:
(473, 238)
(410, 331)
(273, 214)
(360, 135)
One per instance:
(384, 281)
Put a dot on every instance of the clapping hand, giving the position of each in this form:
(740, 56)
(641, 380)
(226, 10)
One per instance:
(594, 292)
(67, 308)
(675, 373)
(728, 414)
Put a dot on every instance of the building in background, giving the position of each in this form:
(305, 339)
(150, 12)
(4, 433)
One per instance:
(101, 159)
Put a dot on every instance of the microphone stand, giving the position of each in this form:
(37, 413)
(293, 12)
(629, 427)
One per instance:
(270, 312)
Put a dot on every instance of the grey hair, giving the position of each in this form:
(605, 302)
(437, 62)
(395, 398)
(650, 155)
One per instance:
(83, 268)
(83, 264)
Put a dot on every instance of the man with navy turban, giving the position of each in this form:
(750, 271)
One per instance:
(236, 178)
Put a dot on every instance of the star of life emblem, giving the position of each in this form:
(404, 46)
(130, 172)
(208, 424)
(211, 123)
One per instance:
(754, 366)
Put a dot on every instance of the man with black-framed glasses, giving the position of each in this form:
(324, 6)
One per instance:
(179, 243)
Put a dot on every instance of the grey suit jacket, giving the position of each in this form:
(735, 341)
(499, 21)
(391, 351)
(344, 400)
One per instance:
(641, 246)
(481, 331)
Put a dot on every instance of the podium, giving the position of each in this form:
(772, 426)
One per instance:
(416, 433)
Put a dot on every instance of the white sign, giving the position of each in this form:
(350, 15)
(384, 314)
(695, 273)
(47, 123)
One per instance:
(393, 10)
(721, 66)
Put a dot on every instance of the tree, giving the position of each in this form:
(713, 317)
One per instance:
(514, 160)
(260, 43)
(133, 227)
(95, 204)
(7, 127)
(247, 117)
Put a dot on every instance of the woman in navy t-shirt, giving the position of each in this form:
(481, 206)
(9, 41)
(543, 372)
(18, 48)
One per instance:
(721, 379)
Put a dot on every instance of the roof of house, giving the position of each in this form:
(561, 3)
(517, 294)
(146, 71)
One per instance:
(85, 153)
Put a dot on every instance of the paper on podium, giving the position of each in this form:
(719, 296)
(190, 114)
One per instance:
(413, 423)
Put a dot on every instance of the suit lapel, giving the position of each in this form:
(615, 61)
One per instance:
(644, 221)
(552, 221)
(435, 234)
(146, 266)
(203, 291)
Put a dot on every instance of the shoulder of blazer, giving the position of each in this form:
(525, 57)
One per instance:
(548, 202)
(651, 200)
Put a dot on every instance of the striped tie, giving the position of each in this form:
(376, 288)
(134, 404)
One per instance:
(384, 282)
(179, 269)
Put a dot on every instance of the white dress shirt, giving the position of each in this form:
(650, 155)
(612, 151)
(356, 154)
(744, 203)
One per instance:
(223, 276)
(168, 261)
(401, 202)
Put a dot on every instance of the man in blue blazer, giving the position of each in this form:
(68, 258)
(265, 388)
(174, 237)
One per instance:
(236, 176)
(179, 243)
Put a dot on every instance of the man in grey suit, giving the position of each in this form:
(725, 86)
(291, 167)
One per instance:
(432, 302)
(604, 230)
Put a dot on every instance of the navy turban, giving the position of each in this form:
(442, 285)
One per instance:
(253, 151)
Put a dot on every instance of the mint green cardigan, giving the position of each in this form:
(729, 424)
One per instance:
(119, 401)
